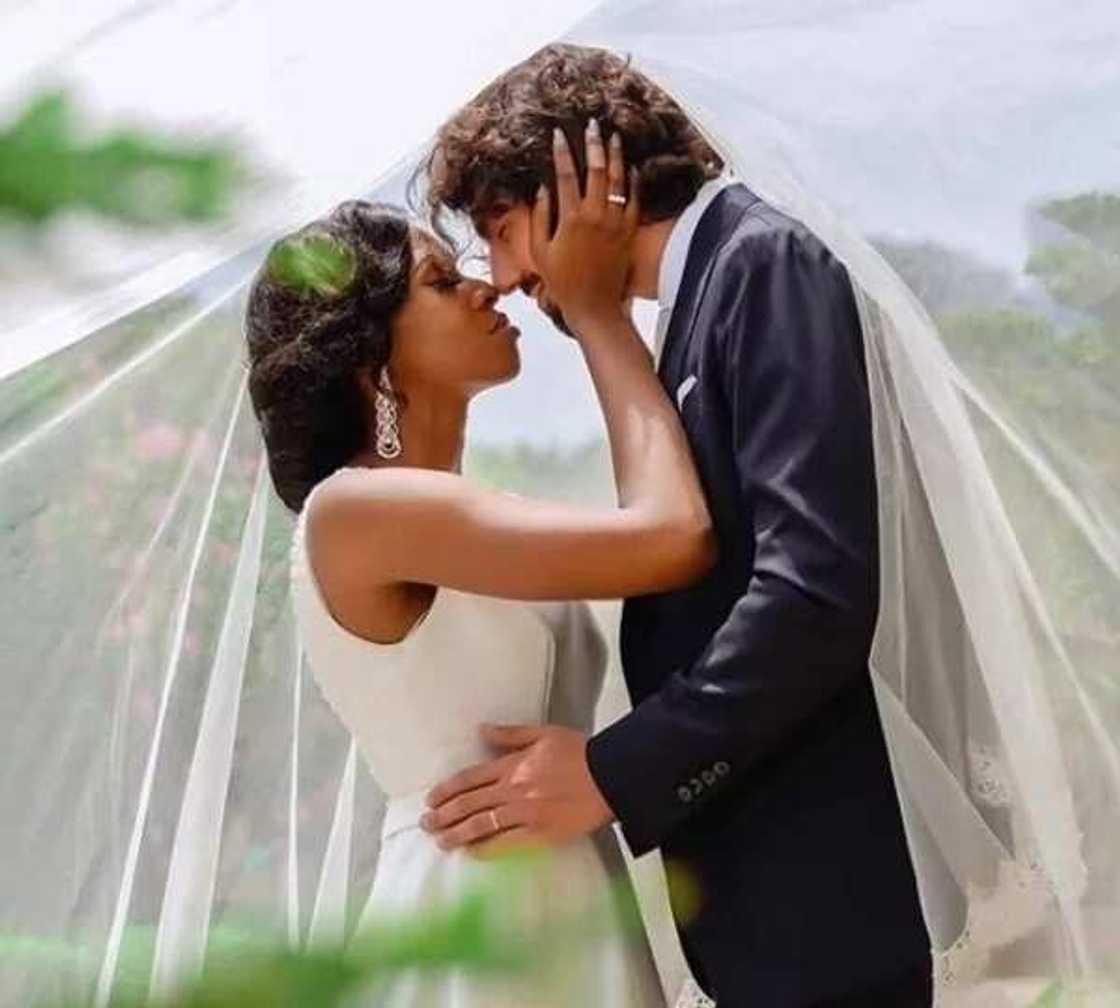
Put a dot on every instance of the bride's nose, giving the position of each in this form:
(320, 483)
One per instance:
(483, 295)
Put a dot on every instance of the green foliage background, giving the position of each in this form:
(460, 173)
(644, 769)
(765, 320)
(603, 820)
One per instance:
(1044, 345)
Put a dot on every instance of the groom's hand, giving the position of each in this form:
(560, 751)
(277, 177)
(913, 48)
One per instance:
(540, 792)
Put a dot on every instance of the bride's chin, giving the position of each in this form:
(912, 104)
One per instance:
(513, 368)
(501, 375)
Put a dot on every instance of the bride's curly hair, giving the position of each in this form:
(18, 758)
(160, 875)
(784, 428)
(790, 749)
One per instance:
(319, 309)
(498, 148)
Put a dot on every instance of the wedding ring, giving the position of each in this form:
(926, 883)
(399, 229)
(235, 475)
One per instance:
(495, 823)
(616, 198)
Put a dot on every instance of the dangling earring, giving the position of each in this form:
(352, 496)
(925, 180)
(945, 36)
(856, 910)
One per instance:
(388, 425)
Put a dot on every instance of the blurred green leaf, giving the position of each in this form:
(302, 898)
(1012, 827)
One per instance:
(313, 263)
(251, 966)
(1049, 998)
(138, 177)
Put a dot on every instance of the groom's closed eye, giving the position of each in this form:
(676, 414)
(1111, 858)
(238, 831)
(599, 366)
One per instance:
(493, 226)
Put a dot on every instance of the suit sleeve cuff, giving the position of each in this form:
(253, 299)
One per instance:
(648, 781)
(617, 771)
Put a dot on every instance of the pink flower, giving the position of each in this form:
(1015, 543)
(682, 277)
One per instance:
(159, 441)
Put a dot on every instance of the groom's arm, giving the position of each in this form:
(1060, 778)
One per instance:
(796, 393)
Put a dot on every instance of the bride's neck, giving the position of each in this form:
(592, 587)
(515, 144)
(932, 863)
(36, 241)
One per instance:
(432, 433)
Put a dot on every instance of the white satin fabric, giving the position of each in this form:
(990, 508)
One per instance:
(413, 709)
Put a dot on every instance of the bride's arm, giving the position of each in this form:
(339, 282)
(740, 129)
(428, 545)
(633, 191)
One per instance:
(389, 525)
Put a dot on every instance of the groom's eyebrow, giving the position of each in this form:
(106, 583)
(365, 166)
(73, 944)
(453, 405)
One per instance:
(485, 218)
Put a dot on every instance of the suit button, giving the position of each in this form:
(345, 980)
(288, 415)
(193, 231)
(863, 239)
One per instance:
(684, 793)
(709, 777)
(721, 768)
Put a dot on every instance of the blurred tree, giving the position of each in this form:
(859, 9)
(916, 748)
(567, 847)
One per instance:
(1094, 216)
(1082, 272)
(1048, 360)
(947, 280)
(581, 473)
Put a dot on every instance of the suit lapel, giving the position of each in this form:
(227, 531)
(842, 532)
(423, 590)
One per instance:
(717, 221)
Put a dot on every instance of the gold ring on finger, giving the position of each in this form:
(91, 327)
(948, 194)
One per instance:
(495, 822)
(616, 198)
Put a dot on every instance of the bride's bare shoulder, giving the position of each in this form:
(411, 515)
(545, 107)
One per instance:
(362, 520)
(358, 489)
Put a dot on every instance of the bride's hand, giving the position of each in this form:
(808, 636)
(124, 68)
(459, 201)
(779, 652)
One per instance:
(586, 263)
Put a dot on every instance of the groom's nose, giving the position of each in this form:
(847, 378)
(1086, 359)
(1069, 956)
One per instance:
(505, 273)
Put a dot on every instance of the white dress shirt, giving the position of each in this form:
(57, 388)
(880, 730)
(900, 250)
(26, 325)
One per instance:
(676, 254)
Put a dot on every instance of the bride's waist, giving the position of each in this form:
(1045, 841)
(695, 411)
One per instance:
(402, 816)
(403, 812)
(405, 766)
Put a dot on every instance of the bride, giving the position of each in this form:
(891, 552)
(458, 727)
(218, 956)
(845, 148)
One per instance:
(429, 604)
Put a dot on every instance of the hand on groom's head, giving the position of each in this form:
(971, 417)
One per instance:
(490, 158)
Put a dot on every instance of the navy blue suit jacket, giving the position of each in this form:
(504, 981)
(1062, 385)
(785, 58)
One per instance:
(754, 756)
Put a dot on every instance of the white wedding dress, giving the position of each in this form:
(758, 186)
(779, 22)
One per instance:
(414, 709)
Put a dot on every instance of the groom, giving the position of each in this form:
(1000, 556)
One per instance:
(753, 755)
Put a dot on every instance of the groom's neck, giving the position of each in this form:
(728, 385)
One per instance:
(649, 249)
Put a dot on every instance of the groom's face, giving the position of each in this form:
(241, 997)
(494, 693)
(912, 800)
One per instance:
(506, 231)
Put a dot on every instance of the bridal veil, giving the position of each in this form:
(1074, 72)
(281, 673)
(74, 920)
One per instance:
(167, 769)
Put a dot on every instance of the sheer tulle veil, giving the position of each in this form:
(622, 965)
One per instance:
(1002, 725)
(168, 770)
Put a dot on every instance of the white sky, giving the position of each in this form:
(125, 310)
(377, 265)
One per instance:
(331, 93)
(934, 119)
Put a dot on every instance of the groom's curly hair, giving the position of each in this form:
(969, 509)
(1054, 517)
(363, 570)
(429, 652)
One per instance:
(497, 150)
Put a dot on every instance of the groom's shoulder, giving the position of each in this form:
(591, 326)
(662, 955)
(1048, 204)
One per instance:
(755, 233)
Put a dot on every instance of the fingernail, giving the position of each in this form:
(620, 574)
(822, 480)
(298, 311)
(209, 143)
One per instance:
(593, 127)
(557, 137)
(426, 820)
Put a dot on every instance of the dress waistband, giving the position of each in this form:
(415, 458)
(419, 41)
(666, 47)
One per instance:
(404, 812)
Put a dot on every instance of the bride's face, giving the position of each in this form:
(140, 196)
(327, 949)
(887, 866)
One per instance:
(448, 333)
